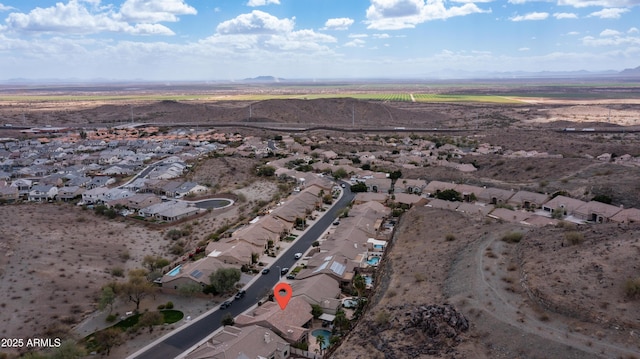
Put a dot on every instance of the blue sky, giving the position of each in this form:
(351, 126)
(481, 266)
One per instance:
(171, 40)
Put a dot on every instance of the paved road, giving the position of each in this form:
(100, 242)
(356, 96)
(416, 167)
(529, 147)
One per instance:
(188, 336)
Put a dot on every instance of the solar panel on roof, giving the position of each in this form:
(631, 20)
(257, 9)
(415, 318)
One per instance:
(338, 268)
(196, 274)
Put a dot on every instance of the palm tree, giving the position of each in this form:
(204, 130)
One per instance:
(320, 341)
(360, 284)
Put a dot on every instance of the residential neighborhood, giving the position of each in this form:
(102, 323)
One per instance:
(144, 178)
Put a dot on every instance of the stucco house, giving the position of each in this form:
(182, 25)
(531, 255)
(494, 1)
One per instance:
(248, 342)
(597, 212)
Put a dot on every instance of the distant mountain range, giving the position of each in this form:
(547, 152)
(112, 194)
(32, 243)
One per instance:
(631, 72)
(446, 74)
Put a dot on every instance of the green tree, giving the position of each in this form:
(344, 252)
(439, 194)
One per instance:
(108, 338)
(316, 310)
(224, 279)
(360, 284)
(266, 171)
(359, 187)
(68, 349)
(449, 195)
(154, 262)
(340, 173)
(341, 322)
(149, 319)
(227, 319)
(320, 341)
(395, 175)
(190, 289)
(137, 287)
(107, 298)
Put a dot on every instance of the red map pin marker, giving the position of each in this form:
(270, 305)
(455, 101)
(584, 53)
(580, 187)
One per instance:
(282, 292)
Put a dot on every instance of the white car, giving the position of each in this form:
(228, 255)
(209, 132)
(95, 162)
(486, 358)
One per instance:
(297, 255)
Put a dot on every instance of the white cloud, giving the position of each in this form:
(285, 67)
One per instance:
(256, 22)
(341, 23)
(357, 36)
(152, 11)
(633, 30)
(611, 41)
(565, 15)
(533, 16)
(254, 3)
(613, 13)
(573, 33)
(382, 36)
(601, 3)
(609, 32)
(5, 7)
(355, 43)
(75, 17)
(402, 14)
(524, 49)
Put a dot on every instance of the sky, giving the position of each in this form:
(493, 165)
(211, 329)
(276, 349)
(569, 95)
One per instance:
(207, 40)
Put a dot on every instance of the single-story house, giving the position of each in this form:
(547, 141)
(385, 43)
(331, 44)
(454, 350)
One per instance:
(191, 272)
(292, 323)
(8, 193)
(249, 342)
(69, 193)
(495, 195)
(629, 215)
(595, 211)
(321, 290)
(568, 205)
(528, 200)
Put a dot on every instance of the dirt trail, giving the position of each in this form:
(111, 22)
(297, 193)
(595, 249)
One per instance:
(483, 281)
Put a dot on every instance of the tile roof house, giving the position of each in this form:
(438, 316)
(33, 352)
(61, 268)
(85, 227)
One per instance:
(292, 323)
(567, 204)
(251, 342)
(528, 200)
(8, 193)
(321, 290)
(629, 215)
(191, 272)
(595, 211)
(495, 195)
(39, 193)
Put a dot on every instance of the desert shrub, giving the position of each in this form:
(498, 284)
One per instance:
(161, 307)
(382, 318)
(512, 237)
(117, 272)
(169, 305)
(574, 238)
(450, 237)
(111, 318)
(632, 288)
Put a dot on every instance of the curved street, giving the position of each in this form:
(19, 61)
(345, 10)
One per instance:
(178, 341)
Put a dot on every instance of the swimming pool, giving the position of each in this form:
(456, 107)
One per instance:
(349, 303)
(368, 280)
(378, 246)
(373, 261)
(325, 333)
(175, 271)
(214, 203)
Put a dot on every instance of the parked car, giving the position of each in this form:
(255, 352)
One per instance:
(241, 294)
(226, 304)
(265, 271)
(284, 271)
(297, 255)
(291, 276)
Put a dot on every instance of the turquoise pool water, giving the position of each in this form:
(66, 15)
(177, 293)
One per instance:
(325, 333)
(174, 272)
(378, 246)
(373, 261)
(368, 280)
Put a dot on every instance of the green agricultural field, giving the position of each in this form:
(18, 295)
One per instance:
(463, 98)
